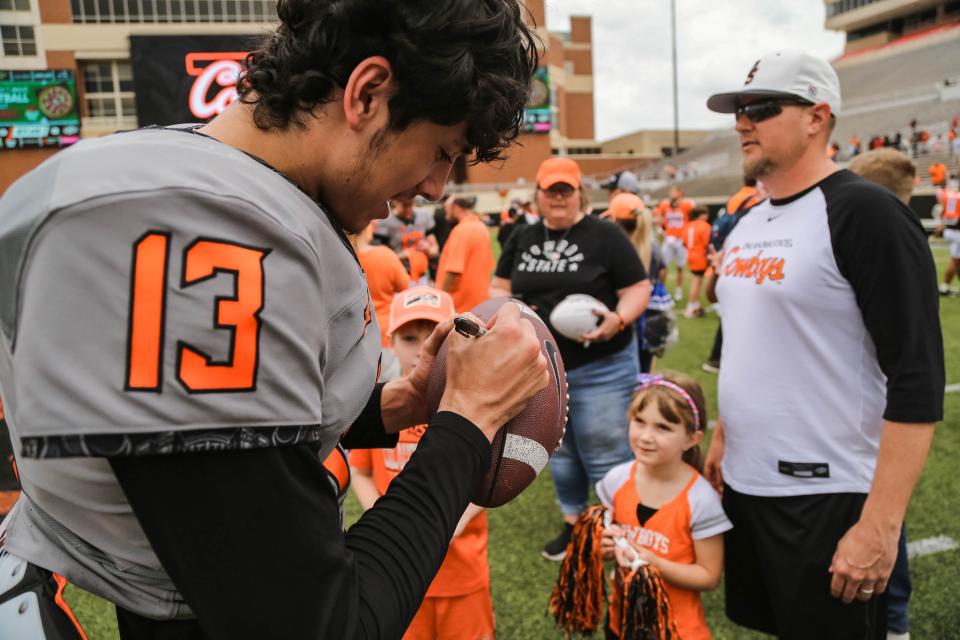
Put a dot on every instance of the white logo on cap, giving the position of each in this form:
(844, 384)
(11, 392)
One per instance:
(422, 299)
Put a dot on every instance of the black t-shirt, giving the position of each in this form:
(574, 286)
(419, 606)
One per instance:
(594, 257)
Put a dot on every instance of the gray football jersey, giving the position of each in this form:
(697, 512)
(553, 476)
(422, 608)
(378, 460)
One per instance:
(161, 292)
(400, 235)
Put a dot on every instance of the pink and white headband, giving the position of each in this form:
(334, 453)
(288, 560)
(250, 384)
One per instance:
(645, 380)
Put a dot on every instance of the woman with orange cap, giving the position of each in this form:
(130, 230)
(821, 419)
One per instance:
(568, 252)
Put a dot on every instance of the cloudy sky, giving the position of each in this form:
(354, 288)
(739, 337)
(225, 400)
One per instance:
(717, 43)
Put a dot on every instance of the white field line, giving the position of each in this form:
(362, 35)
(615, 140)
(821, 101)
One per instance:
(952, 388)
(928, 546)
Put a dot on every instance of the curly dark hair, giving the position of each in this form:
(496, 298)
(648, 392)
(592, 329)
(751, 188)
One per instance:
(454, 61)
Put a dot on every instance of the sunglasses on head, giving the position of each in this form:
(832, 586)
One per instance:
(766, 109)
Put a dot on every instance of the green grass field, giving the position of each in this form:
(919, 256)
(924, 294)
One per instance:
(522, 580)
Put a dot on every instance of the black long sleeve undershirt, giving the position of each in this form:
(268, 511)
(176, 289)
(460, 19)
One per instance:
(252, 539)
(368, 430)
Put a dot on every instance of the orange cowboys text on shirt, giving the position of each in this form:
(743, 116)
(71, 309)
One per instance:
(755, 266)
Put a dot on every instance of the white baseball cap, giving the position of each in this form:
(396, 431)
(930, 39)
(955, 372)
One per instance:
(785, 74)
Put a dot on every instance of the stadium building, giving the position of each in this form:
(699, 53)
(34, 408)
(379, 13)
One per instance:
(90, 67)
(74, 69)
(568, 98)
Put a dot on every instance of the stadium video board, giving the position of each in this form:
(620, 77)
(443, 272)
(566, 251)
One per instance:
(538, 118)
(38, 108)
(186, 78)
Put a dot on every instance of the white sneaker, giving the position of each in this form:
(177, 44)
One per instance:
(678, 295)
(898, 636)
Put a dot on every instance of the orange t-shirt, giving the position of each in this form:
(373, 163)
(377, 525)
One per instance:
(386, 277)
(950, 201)
(696, 239)
(419, 263)
(468, 252)
(745, 198)
(675, 218)
(669, 533)
(464, 569)
(938, 173)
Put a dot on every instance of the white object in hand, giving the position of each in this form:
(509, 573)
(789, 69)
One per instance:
(574, 315)
(637, 561)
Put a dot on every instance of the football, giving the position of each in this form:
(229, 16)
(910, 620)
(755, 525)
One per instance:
(575, 316)
(522, 446)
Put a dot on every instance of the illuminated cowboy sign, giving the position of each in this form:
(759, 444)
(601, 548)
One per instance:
(219, 75)
(185, 78)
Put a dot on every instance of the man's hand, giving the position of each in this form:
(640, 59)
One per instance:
(711, 465)
(865, 556)
(863, 561)
(490, 379)
(404, 400)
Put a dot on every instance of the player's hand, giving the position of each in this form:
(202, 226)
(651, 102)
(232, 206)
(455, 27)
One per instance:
(404, 402)
(712, 463)
(863, 561)
(609, 327)
(490, 379)
(428, 353)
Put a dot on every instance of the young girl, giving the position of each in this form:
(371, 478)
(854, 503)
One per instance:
(666, 511)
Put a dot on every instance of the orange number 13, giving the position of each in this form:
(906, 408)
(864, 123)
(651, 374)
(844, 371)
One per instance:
(239, 314)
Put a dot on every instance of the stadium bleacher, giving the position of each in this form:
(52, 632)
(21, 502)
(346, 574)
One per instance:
(884, 89)
(919, 60)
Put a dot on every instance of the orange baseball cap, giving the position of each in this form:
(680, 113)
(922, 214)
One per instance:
(556, 170)
(623, 205)
(420, 303)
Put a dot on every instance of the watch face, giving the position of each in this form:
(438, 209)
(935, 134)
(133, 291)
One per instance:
(55, 101)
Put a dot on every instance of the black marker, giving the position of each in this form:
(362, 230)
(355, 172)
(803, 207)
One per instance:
(467, 327)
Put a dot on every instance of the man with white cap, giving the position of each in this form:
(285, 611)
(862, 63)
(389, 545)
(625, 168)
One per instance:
(833, 372)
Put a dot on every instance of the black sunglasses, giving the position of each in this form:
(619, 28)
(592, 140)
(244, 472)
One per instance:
(766, 109)
(561, 189)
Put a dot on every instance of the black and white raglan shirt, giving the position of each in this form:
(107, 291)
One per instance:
(830, 326)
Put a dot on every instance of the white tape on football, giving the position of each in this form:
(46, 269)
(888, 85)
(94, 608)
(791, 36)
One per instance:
(527, 451)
